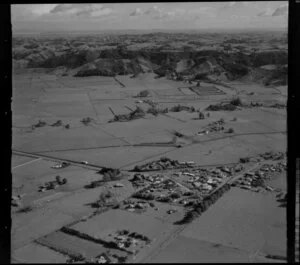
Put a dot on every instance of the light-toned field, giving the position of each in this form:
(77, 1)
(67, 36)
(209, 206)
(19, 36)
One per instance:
(161, 213)
(37, 225)
(62, 139)
(190, 250)
(34, 253)
(37, 171)
(17, 161)
(102, 225)
(113, 157)
(254, 223)
(72, 245)
(225, 149)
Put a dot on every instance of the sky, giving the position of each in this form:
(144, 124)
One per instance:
(141, 16)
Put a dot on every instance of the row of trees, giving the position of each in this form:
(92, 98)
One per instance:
(202, 206)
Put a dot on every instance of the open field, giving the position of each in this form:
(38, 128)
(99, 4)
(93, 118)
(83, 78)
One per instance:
(245, 225)
(101, 226)
(36, 172)
(233, 230)
(112, 157)
(159, 211)
(34, 253)
(23, 234)
(63, 242)
(191, 250)
(18, 161)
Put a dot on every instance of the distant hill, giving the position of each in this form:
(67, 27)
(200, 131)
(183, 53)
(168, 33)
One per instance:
(228, 56)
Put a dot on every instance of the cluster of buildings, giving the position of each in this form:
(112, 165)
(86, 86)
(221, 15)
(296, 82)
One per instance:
(213, 127)
(163, 191)
(273, 155)
(256, 180)
(163, 163)
(139, 179)
(106, 257)
(129, 241)
(61, 165)
(137, 205)
(197, 182)
(205, 180)
(265, 156)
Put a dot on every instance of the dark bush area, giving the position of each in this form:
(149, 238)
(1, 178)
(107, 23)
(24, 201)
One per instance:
(235, 70)
(165, 199)
(68, 59)
(201, 115)
(200, 207)
(236, 101)
(150, 102)
(144, 93)
(268, 57)
(25, 209)
(175, 195)
(178, 108)
(155, 111)
(245, 159)
(94, 184)
(230, 130)
(94, 72)
(220, 106)
(144, 196)
(110, 174)
(86, 121)
(135, 114)
(39, 124)
(105, 199)
(57, 123)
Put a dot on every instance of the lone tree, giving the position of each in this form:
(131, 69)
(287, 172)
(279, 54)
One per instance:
(58, 179)
(86, 121)
(57, 123)
(201, 115)
(40, 123)
(230, 130)
(236, 101)
(143, 93)
(64, 181)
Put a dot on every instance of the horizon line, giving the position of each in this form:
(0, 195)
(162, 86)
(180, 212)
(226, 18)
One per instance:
(157, 30)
